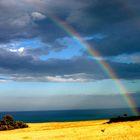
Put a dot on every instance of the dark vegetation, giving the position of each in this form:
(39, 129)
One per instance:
(124, 118)
(8, 123)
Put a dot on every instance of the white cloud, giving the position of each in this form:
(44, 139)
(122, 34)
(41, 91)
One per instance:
(37, 16)
(4, 80)
(62, 79)
(80, 77)
(126, 58)
(19, 50)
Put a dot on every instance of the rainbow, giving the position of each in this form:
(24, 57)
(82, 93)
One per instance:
(105, 66)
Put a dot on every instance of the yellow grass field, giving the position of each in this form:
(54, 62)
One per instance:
(84, 130)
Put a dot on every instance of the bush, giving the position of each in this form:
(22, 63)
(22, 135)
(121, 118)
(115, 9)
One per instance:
(8, 118)
(20, 124)
(124, 118)
(8, 123)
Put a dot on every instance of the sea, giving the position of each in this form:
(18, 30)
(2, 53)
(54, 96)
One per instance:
(67, 115)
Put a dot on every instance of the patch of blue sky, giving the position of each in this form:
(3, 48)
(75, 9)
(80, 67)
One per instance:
(44, 89)
(71, 49)
(132, 85)
(29, 89)
(24, 43)
(5, 77)
(29, 43)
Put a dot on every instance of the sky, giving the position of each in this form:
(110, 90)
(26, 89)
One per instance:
(46, 62)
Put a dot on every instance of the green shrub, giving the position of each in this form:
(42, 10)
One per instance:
(8, 118)
(8, 123)
(21, 124)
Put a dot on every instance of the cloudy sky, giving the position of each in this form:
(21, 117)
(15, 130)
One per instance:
(44, 66)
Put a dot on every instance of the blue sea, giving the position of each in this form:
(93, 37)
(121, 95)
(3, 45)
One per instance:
(67, 115)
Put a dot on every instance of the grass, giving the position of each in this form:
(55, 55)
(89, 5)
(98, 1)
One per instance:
(83, 130)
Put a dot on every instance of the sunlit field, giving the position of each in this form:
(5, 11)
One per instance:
(84, 130)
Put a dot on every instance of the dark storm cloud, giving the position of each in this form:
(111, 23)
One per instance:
(96, 14)
(100, 15)
(29, 19)
(13, 62)
(126, 71)
(26, 67)
(17, 20)
(117, 20)
(124, 41)
(18, 64)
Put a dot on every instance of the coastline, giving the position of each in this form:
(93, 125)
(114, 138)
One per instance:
(81, 130)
